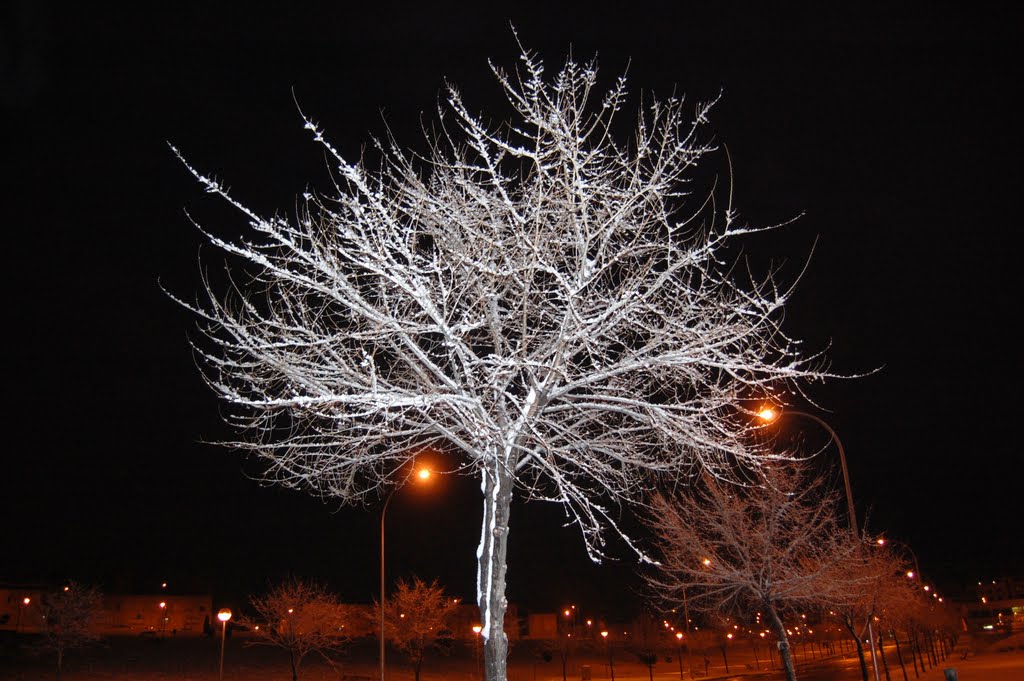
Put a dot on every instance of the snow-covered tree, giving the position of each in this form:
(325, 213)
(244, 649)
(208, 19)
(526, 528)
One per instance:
(68, 620)
(416, 617)
(538, 292)
(300, 617)
(765, 547)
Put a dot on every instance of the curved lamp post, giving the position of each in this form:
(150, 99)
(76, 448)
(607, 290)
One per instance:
(770, 415)
(224, 614)
(421, 474)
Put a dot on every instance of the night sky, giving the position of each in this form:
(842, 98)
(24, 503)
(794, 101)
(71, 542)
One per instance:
(893, 135)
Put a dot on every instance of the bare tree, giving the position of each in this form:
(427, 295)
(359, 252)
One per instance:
(302, 618)
(416, 617)
(873, 579)
(766, 546)
(68, 620)
(531, 293)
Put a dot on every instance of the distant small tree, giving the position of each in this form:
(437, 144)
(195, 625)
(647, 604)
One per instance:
(68, 620)
(645, 647)
(416, 618)
(771, 544)
(300, 617)
(874, 579)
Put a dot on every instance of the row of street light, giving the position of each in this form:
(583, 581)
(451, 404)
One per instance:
(768, 415)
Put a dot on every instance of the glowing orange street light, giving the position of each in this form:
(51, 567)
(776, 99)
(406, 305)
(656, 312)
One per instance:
(770, 415)
(24, 604)
(224, 614)
(679, 638)
(422, 474)
(611, 662)
(476, 648)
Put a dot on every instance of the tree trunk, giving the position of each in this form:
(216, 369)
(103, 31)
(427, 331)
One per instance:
(899, 654)
(491, 559)
(295, 669)
(780, 632)
(881, 655)
(848, 623)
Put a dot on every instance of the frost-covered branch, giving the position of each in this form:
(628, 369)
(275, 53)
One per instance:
(541, 294)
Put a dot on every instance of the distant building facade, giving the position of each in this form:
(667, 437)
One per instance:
(153, 614)
(998, 606)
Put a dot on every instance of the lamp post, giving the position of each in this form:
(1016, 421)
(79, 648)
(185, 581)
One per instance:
(476, 649)
(24, 604)
(679, 637)
(421, 474)
(916, 572)
(770, 415)
(224, 614)
(608, 645)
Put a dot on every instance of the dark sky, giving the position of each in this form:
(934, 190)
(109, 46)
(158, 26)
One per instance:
(893, 134)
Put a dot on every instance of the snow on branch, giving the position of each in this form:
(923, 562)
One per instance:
(543, 297)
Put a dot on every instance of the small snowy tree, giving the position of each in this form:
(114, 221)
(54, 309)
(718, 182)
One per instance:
(767, 546)
(416, 617)
(533, 293)
(300, 617)
(68, 620)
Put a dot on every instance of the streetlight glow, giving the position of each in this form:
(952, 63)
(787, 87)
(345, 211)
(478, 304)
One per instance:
(422, 474)
(769, 414)
(224, 614)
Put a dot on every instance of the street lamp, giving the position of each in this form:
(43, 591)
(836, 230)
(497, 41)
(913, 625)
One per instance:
(24, 604)
(769, 415)
(163, 618)
(224, 614)
(679, 637)
(476, 648)
(608, 645)
(423, 474)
